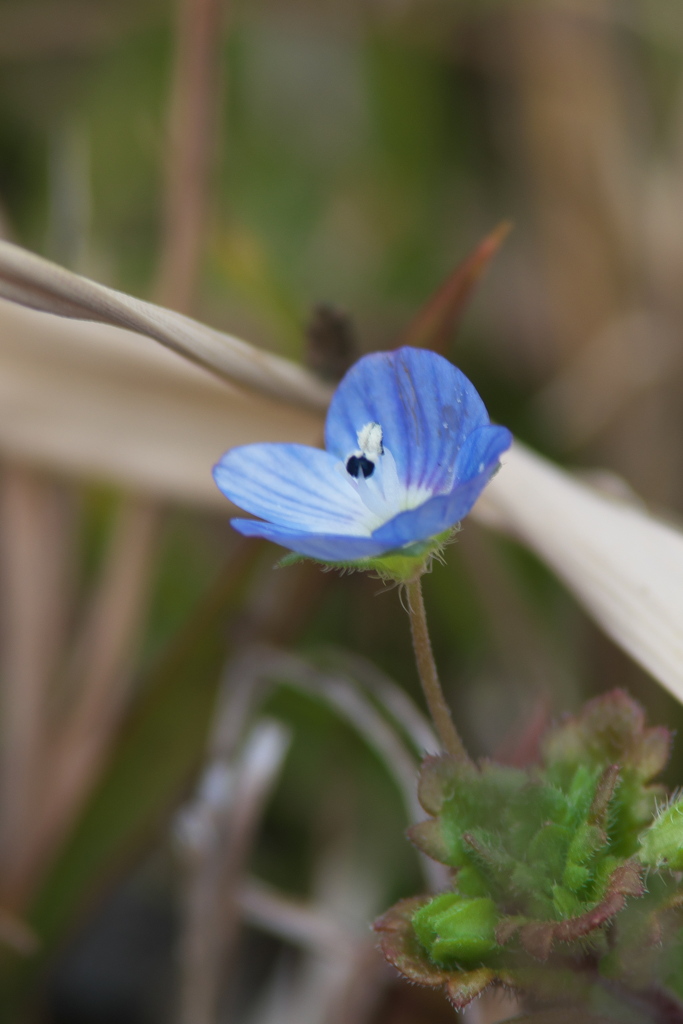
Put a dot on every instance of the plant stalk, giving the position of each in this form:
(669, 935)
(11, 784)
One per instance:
(426, 667)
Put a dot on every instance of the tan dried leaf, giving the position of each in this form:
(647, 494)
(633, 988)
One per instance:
(97, 401)
(623, 564)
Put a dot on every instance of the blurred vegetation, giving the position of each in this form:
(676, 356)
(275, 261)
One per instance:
(361, 151)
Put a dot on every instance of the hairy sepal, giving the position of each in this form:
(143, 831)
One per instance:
(400, 566)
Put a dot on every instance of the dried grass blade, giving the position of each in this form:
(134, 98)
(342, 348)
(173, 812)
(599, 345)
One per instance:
(624, 565)
(341, 694)
(294, 921)
(393, 699)
(35, 584)
(435, 323)
(218, 831)
(102, 668)
(33, 281)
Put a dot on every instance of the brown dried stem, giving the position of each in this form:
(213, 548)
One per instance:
(34, 543)
(102, 673)
(192, 120)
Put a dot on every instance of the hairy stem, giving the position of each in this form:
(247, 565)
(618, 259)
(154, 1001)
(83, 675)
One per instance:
(426, 667)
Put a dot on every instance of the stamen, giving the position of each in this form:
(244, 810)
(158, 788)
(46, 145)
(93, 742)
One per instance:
(370, 440)
(357, 464)
(369, 451)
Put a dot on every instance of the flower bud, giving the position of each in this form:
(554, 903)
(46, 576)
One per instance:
(454, 928)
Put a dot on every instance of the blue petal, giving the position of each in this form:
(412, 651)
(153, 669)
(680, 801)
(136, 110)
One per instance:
(325, 547)
(481, 451)
(479, 457)
(425, 406)
(294, 486)
(433, 517)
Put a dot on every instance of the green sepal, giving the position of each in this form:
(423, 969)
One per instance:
(400, 566)
(293, 558)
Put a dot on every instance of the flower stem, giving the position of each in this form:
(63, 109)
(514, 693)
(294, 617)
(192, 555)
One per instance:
(426, 667)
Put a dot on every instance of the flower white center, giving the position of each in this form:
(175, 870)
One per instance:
(373, 474)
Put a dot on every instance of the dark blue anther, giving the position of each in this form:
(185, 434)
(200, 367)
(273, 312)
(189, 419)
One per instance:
(357, 464)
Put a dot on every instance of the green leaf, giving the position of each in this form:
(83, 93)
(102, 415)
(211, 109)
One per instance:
(662, 844)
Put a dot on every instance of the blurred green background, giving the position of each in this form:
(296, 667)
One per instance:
(356, 153)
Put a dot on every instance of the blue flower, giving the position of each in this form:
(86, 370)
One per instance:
(409, 448)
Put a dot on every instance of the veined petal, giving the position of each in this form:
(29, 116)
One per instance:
(294, 486)
(325, 547)
(425, 406)
(481, 450)
(433, 517)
